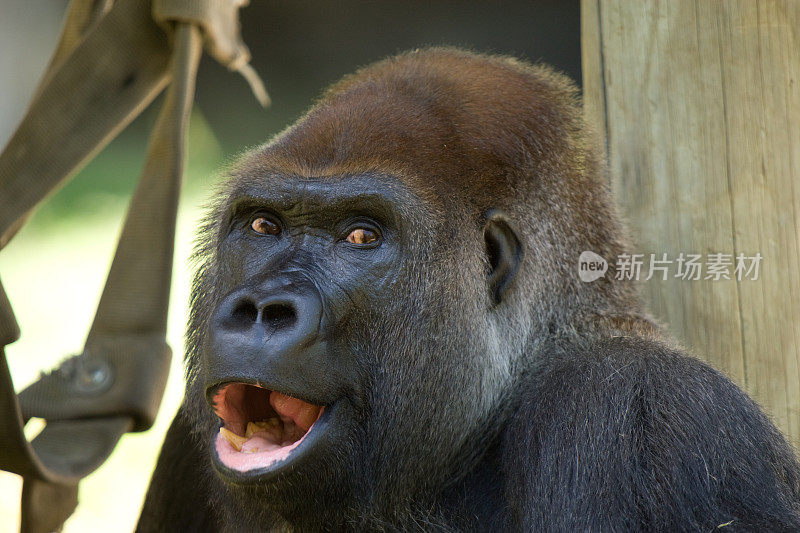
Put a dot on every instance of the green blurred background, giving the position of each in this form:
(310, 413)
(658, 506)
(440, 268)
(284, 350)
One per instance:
(55, 267)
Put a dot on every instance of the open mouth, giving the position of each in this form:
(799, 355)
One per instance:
(260, 427)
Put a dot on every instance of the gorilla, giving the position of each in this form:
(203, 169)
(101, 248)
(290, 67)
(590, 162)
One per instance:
(388, 332)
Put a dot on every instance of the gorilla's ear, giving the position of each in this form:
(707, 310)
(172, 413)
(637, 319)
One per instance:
(504, 251)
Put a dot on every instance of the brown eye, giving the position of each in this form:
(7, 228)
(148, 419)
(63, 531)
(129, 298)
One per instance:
(362, 236)
(265, 226)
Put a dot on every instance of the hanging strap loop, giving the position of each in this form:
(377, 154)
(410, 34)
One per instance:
(219, 22)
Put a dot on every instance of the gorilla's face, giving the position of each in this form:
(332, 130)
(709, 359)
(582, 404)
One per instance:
(343, 349)
(303, 259)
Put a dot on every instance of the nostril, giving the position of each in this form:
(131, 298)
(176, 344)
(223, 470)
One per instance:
(244, 314)
(278, 315)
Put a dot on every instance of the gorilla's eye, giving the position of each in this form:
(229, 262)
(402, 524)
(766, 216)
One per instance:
(362, 236)
(265, 226)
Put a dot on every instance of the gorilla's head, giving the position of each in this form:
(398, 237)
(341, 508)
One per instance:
(375, 280)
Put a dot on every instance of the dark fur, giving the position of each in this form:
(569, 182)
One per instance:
(560, 408)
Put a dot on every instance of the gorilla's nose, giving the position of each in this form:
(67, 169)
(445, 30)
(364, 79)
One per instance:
(272, 321)
(275, 312)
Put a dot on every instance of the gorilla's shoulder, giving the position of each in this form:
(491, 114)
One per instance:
(677, 444)
(635, 380)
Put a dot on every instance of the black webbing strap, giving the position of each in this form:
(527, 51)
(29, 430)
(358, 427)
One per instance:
(110, 64)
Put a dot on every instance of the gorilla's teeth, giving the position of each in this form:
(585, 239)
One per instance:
(255, 427)
(269, 426)
(235, 440)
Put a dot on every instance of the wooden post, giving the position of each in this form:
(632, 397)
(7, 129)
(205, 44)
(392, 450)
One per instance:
(698, 102)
